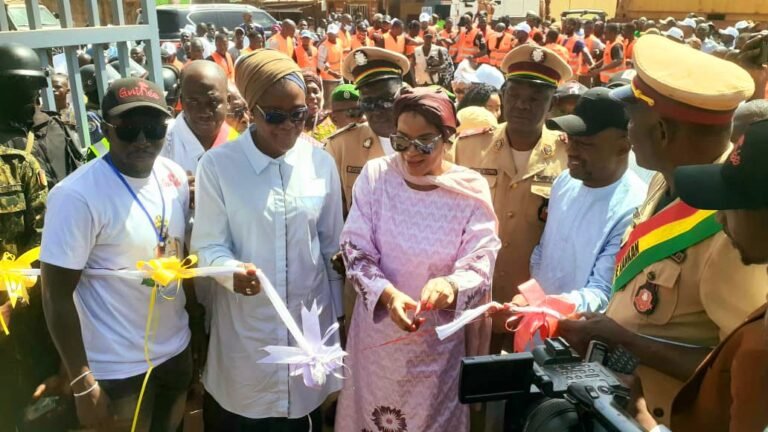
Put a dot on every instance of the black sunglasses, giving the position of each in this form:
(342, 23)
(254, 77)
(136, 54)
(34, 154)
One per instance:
(351, 112)
(130, 133)
(401, 144)
(277, 117)
(376, 105)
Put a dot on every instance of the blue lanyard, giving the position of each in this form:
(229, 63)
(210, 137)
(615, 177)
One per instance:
(160, 233)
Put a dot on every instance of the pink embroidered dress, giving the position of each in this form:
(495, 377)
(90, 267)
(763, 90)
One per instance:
(401, 236)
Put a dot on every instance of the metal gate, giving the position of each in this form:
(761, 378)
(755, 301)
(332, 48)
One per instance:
(71, 38)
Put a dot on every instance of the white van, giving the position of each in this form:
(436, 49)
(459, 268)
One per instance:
(512, 8)
(18, 19)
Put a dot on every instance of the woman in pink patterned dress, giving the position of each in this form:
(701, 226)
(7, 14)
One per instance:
(419, 246)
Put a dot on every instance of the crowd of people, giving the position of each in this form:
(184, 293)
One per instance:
(396, 175)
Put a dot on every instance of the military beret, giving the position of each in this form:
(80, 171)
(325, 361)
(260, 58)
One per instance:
(345, 92)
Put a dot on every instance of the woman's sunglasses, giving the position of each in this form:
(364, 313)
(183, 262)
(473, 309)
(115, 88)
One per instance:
(277, 117)
(130, 133)
(401, 144)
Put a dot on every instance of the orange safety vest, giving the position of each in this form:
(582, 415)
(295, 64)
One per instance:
(561, 39)
(452, 49)
(467, 44)
(574, 60)
(284, 45)
(499, 46)
(605, 75)
(629, 49)
(558, 49)
(356, 43)
(335, 55)
(589, 45)
(393, 44)
(225, 63)
(306, 59)
(409, 49)
(346, 41)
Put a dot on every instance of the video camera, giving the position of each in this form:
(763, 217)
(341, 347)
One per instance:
(550, 389)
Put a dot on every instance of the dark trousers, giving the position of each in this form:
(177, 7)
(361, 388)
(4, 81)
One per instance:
(217, 419)
(162, 407)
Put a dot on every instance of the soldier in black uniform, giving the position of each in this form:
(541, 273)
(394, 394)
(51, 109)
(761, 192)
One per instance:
(23, 125)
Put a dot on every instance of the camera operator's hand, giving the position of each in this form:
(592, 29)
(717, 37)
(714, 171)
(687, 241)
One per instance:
(637, 407)
(578, 332)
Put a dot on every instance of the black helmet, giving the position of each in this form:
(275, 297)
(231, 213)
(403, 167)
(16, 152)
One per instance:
(21, 62)
(88, 75)
(171, 84)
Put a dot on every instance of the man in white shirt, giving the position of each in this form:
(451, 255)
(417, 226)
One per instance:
(198, 128)
(269, 201)
(98, 322)
(591, 204)
(201, 124)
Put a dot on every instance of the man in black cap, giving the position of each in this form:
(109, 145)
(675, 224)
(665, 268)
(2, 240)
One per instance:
(24, 126)
(591, 204)
(729, 390)
(102, 342)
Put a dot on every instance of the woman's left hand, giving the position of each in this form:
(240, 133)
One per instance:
(438, 294)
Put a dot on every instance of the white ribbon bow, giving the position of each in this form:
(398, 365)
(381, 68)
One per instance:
(311, 358)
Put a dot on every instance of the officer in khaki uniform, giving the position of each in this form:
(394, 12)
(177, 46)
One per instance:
(520, 159)
(671, 296)
(378, 76)
(27, 353)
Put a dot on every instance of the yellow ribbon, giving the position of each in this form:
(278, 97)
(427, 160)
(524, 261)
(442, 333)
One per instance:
(13, 281)
(162, 271)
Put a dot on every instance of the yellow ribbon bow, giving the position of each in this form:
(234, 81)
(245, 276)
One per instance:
(14, 281)
(163, 271)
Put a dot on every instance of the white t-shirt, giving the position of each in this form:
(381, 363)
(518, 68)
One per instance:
(93, 222)
(521, 159)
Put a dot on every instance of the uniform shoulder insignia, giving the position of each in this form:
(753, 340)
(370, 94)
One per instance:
(346, 128)
(477, 131)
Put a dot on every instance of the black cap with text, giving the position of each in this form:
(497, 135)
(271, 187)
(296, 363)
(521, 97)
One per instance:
(128, 93)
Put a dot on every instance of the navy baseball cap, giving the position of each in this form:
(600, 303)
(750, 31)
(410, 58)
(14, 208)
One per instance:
(741, 182)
